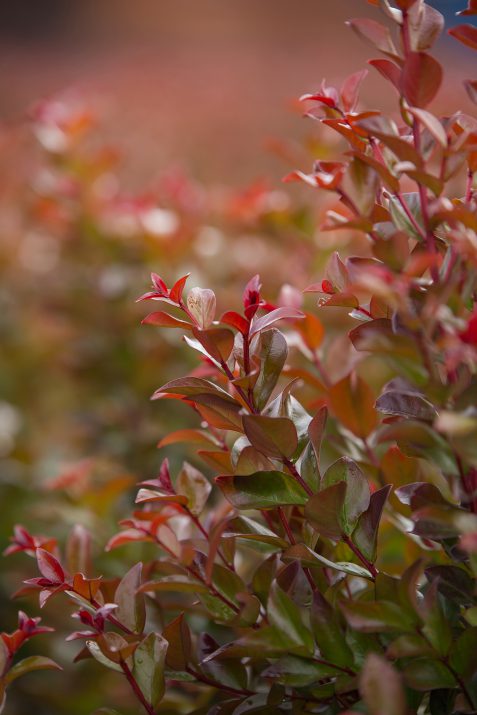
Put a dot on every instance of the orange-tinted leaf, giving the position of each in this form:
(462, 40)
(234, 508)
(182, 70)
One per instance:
(389, 70)
(421, 78)
(352, 402)
(161, 319)
(375, 33)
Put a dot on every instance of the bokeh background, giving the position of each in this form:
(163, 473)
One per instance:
(134, 137)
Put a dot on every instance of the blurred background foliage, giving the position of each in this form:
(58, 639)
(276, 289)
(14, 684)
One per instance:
(135, 137)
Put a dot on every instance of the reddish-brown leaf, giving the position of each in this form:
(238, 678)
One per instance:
(352, 402)
(421, 78)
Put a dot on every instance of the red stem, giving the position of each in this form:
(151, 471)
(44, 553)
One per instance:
(371, 568)
(136, 689)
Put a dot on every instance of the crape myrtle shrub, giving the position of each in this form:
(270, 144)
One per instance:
(264, 587)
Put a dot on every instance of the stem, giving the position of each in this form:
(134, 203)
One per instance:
(200, 578)
(348, 671)
(371, 568)
(215, 684)
(136, 689)
(294, 472)
(292, 541)
(228, 372)
(410, 216)
(205, 533)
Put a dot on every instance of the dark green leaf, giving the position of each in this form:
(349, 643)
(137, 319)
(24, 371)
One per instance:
(262, 490)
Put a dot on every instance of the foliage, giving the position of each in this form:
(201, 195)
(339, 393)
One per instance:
(326, 560)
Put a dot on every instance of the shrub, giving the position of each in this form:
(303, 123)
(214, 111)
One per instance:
(270, 592)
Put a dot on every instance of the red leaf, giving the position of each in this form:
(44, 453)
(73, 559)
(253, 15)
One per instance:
(350, 90)
(164, 320)
(389, 70)
(235, 320)
(421, 78)
(467, 34)
(177, 289)
(375, 33)
(49, 567)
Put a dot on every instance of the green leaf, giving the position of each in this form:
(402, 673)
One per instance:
(285, 616)
(296, 672)
(376, 616)
(409, 645)
(131, 610)
(177, 634)
(381, 687)
(325, 511)
(192, 484)
(98, 655)
(275, 437)
(328, 632)
(357, 495)
(262, 490)
(148, 667)
(273, 354)
(179, 584)
(300, 552)
(463, 655)
(427, 674)
(365, 535)
(436, 626)
(265, 642)
(399, 352)
(28, 665)
(417, 439)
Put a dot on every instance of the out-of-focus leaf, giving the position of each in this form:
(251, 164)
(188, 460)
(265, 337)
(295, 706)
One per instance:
(28, 665)
(131, 610)
(261, 490)
(427, 674)
(467, 34)
(376, 616)
(417, 439)
(375, 33)
(463, 655)
(352, 402)
(381, 687)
